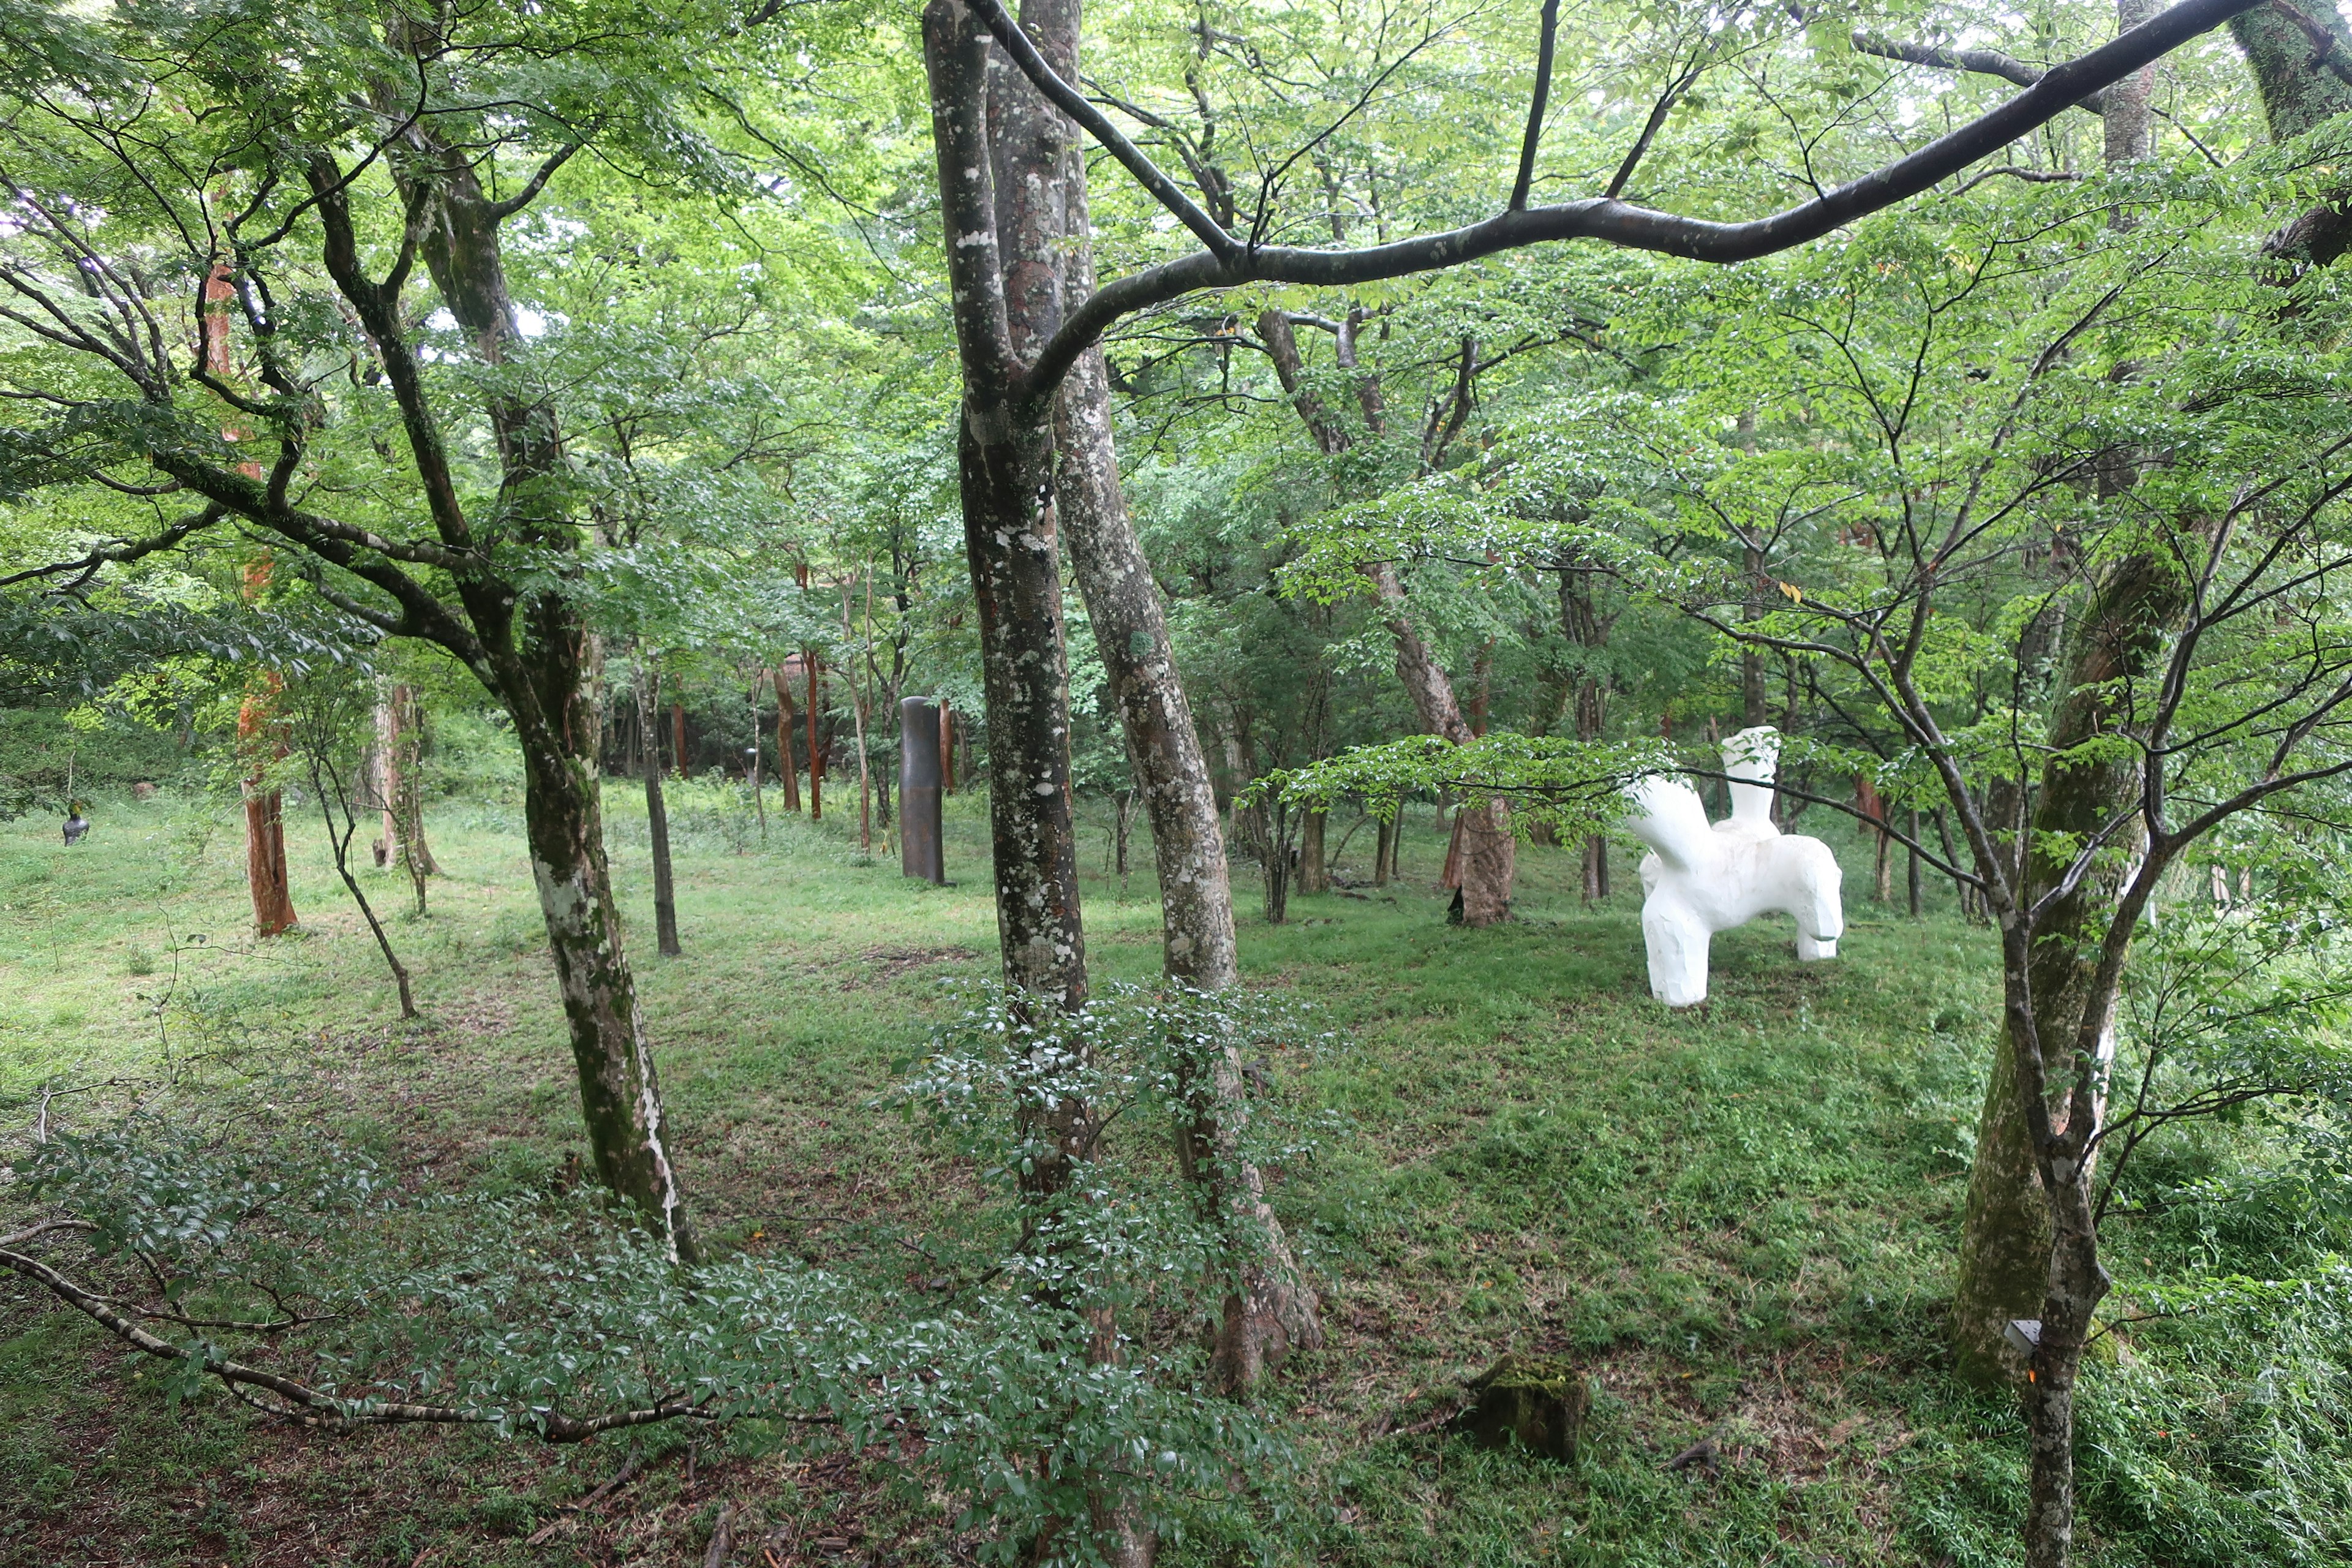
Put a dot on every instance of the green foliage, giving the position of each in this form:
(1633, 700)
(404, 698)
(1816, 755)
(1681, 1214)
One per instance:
(516, 1309)
(1575, 787)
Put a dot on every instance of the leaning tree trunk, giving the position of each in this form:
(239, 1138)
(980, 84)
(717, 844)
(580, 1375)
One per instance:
(2006, 1231)
(619, 1098)
(1486, 850)
(1270, 1309)
(540, 661)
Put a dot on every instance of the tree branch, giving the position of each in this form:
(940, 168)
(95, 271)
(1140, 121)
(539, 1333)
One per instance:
(309, 1406)
(122, 549)
(1537, 104)
(1604, 218)
(1072, 103)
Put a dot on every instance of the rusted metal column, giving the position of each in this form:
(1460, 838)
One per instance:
(922, 852)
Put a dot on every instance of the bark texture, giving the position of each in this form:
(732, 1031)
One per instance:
(1270, 1309)
(2005, 1246)
(1004, 284)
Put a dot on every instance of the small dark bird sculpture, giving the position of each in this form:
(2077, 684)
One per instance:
(76, 824)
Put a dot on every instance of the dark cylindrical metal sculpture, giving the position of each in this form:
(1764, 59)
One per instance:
(920, 850)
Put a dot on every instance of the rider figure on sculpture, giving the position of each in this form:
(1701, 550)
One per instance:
(1701, 879)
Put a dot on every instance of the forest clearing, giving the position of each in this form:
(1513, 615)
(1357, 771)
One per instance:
(1534, 1162)
(1240, 782)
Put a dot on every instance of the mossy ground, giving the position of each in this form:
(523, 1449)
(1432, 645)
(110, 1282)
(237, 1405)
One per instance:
(1735, 1221)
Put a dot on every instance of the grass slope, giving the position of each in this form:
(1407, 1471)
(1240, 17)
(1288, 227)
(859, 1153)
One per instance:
(1737, 1221)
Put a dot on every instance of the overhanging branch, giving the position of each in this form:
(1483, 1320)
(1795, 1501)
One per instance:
(1226, 265)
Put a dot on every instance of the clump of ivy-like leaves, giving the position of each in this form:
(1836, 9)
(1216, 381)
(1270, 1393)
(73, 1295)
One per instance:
(1117, 1268)
(248, 1245)
(1574, 787)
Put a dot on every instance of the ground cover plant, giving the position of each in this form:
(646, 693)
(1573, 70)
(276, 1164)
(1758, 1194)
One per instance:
(1737, 1227)
(1307, 487)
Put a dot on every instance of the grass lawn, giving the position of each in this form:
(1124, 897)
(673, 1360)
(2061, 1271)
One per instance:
(1737, 1221)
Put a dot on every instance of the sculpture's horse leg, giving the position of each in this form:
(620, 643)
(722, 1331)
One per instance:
(1677, 940)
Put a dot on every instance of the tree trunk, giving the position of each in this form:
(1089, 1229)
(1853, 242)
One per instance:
(1314, 875)
(1004, 157)
(678, 736)
(1485, 860)
(1489, 858)
(1004, 296)
(656, 809)
(1383, 852)
(266, 876)
(542, 671)
(788, 770)
(759, 796)
(405, 795)
(387, 772)
(2008, 1223)
(815, 751)
(1164, 746)
(266, 871)
(619, 1098)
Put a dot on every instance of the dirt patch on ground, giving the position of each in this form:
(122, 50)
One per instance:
(888, 964)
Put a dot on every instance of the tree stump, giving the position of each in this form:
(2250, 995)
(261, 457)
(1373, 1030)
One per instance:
(1540, 1404)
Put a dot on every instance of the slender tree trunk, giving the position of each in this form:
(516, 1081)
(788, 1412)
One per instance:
(327, 787)
(267, 874)
(1163, 745)
(678, 736)
(265, 870)
(1912, 865)
(656, 809)
(788, 770)
(758, 796)
(1271, 1309)
(1005, 294)
(1488, 859)
(619, 1098)
(541, 663)
(1383, 852)
(948, 731)
(404, 816)
(387, 771)
(815, 751)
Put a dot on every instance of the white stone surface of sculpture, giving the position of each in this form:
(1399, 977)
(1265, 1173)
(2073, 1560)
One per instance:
(1703, 877)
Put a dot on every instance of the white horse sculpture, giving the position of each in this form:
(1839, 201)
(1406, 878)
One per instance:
(1701, 879)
